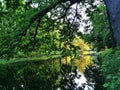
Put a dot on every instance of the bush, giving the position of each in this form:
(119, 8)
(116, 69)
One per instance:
(111, 68)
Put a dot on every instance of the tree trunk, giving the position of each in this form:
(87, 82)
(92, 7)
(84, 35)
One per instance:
(113, 9)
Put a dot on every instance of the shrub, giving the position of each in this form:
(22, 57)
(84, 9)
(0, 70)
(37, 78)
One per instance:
(111, 68)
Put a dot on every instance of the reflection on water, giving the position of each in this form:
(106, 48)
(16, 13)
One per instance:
(81, 51)
(76, 81)
(36, 75)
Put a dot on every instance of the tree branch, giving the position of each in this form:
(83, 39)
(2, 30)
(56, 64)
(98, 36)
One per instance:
(40, 14)
(64, 13)
(43, 12)
(36, 30)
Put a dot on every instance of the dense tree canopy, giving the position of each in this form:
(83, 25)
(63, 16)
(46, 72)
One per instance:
(27, 23)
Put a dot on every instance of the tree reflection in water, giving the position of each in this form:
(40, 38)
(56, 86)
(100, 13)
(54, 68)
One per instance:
(76, 81)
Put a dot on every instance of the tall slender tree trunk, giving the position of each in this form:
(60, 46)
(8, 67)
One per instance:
(113, 9)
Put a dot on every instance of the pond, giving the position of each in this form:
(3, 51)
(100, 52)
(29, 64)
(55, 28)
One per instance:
(66, 73)
(77, 81)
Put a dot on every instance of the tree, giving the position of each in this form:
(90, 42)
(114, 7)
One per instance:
(113, 11)
(22, 22)
(100, 35)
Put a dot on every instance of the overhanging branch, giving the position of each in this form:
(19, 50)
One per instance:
(43, 12)
(36, 30)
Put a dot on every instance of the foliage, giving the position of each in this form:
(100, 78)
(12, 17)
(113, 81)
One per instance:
(100, 35)
(29, 26)
(84, 60)
(28, 77)
(38, 28)
(111, 68)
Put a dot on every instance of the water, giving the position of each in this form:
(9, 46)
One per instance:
(77, 81)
